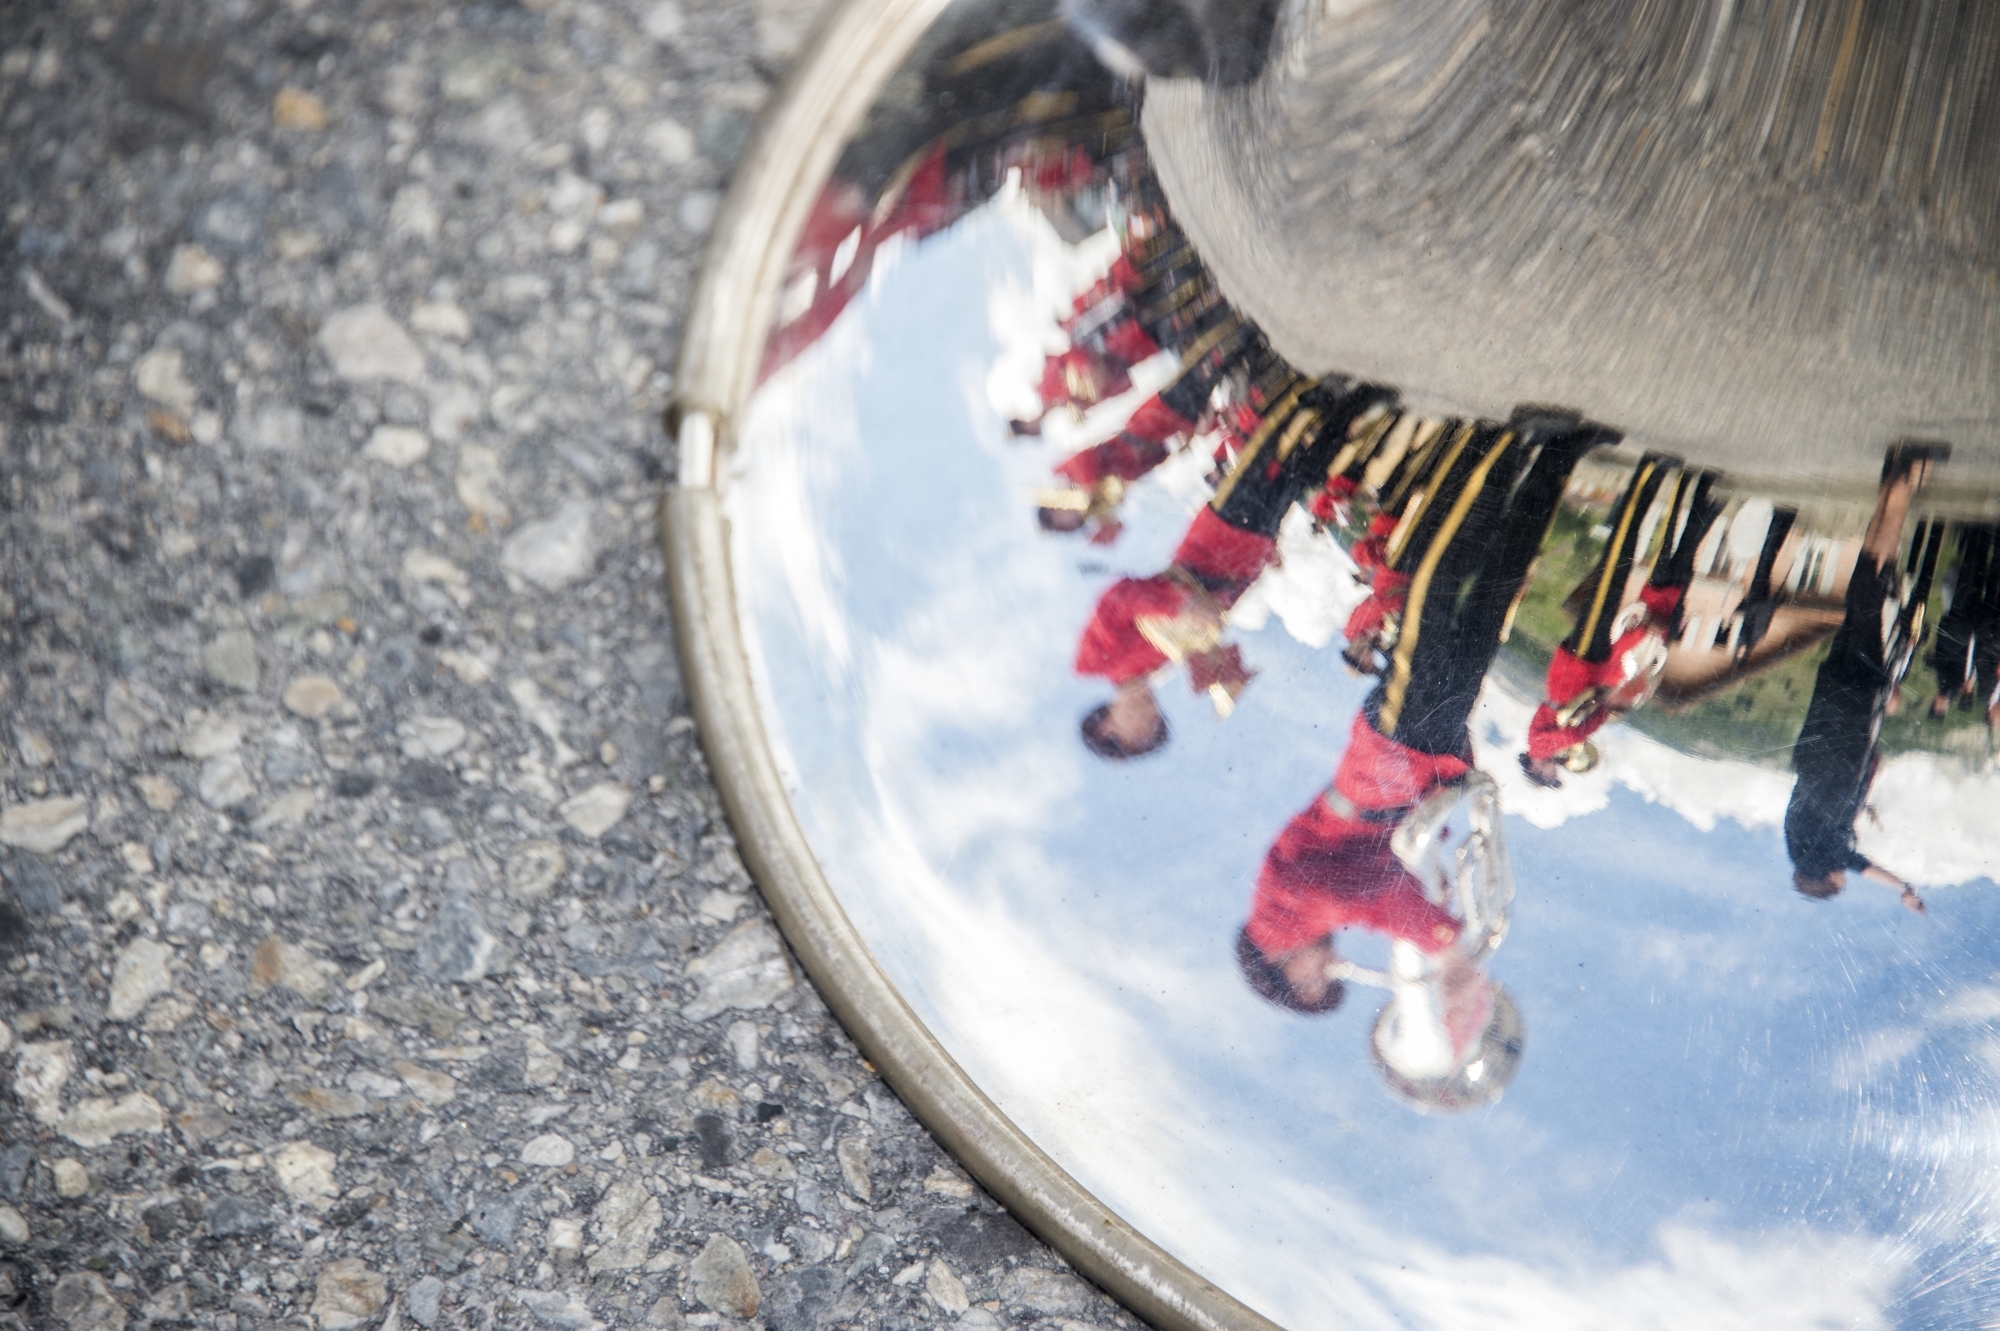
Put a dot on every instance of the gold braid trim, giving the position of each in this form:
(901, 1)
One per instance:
(1364, 434)
(1175, 636)
(1407, 526)
(1588, 628)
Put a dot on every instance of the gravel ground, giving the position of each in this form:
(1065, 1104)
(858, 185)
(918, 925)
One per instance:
(375, 950)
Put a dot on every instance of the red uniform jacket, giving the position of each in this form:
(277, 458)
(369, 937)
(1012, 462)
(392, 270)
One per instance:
(1388, 590)
(1121, 455)
(1570, 677)
(1332, 868)
(1082, 377)
(1225, 559)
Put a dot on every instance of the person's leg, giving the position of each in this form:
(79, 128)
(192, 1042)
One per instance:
(1255, 482)
(1340, 445)
(1429, 689)
(1905, 468)
(1590, 639)
(1436, 481)
(1759, 604)
(1429, 441)
(1547, 455)
(1950, 656)
(1675, 567)
(1361, 439)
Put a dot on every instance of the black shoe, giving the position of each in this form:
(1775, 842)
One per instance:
(1906, 455)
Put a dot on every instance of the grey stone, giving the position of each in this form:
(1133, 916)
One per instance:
(233, 223)
(459, 947)
(626, 1219)
(170, 1304)
(230, 1217)
(14, 1163)
(556, 551)
(423, 1301)
(496, 1217)
(979, 1239)
(560, 1310)
(869, 1254)
(139, 976)
(803, 1300)
(231, 660)
(36, 889)
(366, 343)
(276, 426)
(224, 782)
(1050, 1293)
(43, 826)
(746, 970)
(721, 1278)
(533, 869)
(84, 1302)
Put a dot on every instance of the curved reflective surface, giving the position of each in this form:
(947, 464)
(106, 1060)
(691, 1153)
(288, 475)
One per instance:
(1422, 859)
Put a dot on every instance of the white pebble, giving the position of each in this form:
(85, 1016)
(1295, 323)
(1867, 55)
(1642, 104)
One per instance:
(551, 1150)
(397, 445)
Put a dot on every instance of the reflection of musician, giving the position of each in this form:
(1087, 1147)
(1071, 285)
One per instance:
(1333, 867)
(1835, 754)
(1612, 657)
(1105, 331)
(1096, 477)
(1177, 616)
(1967, 649)
(1404, 469)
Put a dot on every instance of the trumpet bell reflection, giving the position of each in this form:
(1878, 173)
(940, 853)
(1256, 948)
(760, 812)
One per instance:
(1153, 685)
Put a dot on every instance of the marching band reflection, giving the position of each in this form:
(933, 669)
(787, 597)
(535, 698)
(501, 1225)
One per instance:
(1444, 520)
(1615, 654)
(1352, 858)
(1177, 615)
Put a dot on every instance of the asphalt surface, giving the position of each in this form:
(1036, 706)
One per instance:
(375, 951)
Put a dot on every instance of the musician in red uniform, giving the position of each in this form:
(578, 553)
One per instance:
(1418, 454)
(1124, 318)
(1332, 867)
(1177, 616)
(1609, 662)
(1095, 478)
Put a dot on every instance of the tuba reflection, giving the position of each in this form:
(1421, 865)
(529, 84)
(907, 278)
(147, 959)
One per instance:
(1607, 578)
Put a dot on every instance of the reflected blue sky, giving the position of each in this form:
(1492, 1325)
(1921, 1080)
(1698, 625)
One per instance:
(1736, 1107)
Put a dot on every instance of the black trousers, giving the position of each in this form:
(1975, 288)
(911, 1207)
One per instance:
(1287, 456)
(1468, 555)
(1604, 589)
(1693, 501)
(1974, 616)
